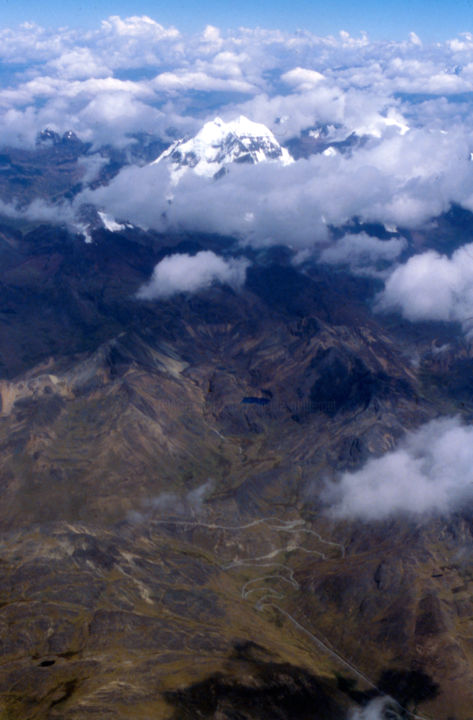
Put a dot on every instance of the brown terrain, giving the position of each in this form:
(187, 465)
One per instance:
(164, 550)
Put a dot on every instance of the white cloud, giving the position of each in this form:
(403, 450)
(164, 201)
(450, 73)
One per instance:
(190, 273)
(415, 39)
(189, 80)
(302, 78)
(113, 115)
(430, 286)
(350, 41)
(461, 44)
(78, 63)
(139, 27)
(431, 472)
(325, 103)
(362, 253)
(212, 37)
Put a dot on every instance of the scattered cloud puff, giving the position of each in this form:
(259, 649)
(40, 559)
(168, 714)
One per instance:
(141, 28)
(430, 473)
(430, 286)
(190, 504)
(302, 78)
(190, 273)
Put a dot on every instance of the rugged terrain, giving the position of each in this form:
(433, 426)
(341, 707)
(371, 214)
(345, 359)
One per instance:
(165, 548)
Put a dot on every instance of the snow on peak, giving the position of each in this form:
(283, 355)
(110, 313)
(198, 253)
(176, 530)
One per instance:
(220, 143)
(110, 223)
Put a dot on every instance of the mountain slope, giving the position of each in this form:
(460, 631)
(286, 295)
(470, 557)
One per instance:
(165, 549)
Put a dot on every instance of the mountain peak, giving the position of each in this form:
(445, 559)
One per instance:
(219, 143)
(53, 138)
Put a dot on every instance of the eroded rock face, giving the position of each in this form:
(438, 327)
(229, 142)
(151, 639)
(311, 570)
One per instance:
(165, 551)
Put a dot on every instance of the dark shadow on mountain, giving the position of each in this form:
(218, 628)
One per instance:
(252, 689)
(346, 383)
(409, 687)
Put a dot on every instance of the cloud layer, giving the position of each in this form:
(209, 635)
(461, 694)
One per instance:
(134, 74)
(430, 473)
(399, 180)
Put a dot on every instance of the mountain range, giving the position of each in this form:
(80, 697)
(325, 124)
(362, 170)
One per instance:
(168, 547)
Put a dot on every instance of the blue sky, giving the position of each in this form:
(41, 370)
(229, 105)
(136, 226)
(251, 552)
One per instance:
(430, 19)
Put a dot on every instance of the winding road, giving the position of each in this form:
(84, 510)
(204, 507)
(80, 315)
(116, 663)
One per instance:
(284, 574)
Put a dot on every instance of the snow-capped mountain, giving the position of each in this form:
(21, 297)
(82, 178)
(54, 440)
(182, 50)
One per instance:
(219, 144)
